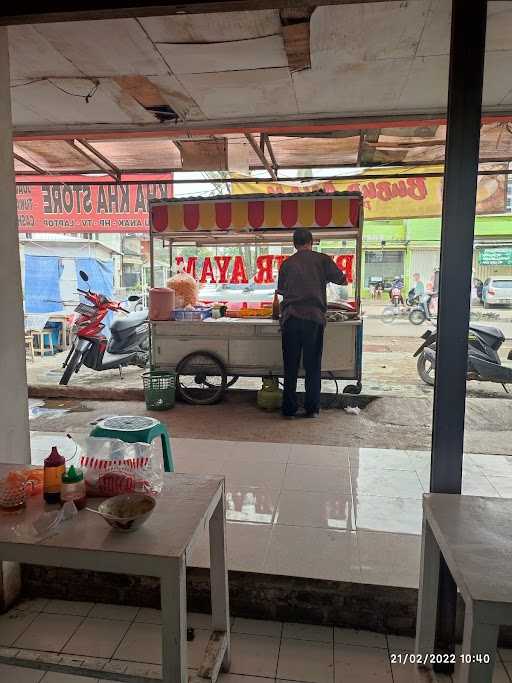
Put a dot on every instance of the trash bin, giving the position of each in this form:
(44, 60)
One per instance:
(159, 389)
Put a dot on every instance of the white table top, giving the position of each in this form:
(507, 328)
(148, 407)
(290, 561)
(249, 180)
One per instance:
(180, 513)
(475, 537)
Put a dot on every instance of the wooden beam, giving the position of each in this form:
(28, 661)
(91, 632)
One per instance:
(111, 169)
(261, 156)
(270, 151)
(81, 10)
(28, 163)
(284, 126)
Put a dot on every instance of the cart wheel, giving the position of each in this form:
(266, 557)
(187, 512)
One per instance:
(232, 380)
(201, 378)
(353, 388)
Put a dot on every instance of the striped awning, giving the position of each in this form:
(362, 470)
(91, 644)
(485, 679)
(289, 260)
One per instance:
(263, 213)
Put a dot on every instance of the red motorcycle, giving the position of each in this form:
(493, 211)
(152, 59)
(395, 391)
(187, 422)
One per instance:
(128, 343)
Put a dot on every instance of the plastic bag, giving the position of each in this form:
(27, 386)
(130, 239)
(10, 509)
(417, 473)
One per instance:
(185, 287)
(112, 467)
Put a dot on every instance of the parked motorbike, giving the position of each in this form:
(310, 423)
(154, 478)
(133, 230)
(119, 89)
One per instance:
(484, 363)
(420, 308)
(129, 340)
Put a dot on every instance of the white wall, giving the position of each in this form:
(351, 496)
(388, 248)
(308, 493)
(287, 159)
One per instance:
(14, 431)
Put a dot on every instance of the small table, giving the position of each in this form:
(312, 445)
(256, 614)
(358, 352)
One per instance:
(474, 535)
(61, 318)
(159, 548)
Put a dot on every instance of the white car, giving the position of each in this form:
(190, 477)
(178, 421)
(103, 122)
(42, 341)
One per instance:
(497, 290)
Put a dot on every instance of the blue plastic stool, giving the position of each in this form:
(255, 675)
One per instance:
(136, 429)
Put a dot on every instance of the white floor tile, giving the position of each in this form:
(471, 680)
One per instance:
(13, 624)
(235, 678)
(382, 459)
(247, 545)
(400, 644)
(319, 479)
(305, 661)
(250, 503)
(257, 452)
(17, 674)
(478, 485)
(409, 673)
(353, 663)
(257, 627)
(314, 509)
(313, 553)
(49, 632)
(389, 559)
(250, 473)
(79, 609)
(197, 647)
(503, 485)
(198, 465)
(384, 482)
(199, 620)
(97, 638)
(141, 643)
(312, 632)
(121, 612)
(493, 465)
(33, 605)
(506, 654)
(323, 456)
(254, 655)
(148, 615)
(55, 677)
(348, 636)
(395, 515)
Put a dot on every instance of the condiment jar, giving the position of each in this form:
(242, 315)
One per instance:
(54, 468)
(73, 488)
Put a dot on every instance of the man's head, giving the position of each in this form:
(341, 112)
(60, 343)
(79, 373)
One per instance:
(416, 277)
(302, 239)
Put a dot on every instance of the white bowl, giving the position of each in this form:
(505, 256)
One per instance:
(127, 512)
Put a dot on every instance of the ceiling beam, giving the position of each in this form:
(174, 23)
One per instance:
(87, 150)
(28, 163)
(272, 127)
(261, 156)
(31, 12)
(271, 154)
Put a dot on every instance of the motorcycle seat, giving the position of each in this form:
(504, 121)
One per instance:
(127, 322)
(485, 329)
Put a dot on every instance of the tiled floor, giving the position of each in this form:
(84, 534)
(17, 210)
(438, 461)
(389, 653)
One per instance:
(129, 640)
(357, 510)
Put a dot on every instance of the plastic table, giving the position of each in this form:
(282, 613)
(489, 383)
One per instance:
(474, 535)
(159, 548)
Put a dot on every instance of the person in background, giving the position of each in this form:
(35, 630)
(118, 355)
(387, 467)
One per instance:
(419, 287)
(302, 283)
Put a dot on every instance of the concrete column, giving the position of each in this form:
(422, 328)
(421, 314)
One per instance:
(14, 430)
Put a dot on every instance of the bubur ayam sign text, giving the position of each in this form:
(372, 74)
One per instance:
(87, 207)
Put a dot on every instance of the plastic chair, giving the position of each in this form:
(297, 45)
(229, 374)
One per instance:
(136, 429)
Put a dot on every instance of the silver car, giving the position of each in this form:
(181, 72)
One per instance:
(497, 290)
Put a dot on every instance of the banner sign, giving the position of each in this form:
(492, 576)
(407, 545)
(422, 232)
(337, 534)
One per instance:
(495, 257)
(88, 207)
(232, 269)
(395, 197)
(250, 215)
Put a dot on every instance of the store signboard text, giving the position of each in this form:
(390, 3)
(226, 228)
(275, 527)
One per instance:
(232, 269)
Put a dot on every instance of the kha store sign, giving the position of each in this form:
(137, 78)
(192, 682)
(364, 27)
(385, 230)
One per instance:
(71, 205)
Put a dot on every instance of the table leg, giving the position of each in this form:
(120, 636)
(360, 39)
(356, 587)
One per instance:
(219, 578)
(479, 639)
(173, 596)
(426, 618)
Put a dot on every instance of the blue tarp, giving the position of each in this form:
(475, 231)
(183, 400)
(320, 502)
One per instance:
(101, 280)
(42, 284)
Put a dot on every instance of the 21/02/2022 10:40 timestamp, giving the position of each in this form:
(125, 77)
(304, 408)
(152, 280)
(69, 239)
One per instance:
(438, 658)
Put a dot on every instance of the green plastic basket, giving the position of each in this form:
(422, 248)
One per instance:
(159, 389)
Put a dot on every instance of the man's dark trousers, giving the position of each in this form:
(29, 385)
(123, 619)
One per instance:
(306, 338)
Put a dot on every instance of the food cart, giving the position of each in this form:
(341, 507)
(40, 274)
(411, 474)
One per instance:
(208, 356)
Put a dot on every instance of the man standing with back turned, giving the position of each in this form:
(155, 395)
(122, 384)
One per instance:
(302, 283)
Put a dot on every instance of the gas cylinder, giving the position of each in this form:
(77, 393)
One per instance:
(270, 395)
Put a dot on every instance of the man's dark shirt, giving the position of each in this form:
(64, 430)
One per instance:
(302, 283)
